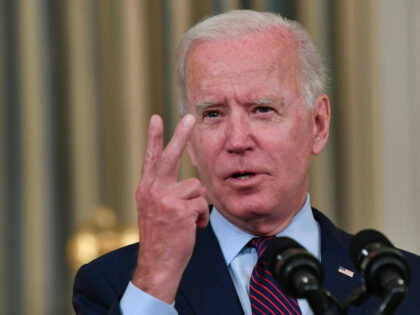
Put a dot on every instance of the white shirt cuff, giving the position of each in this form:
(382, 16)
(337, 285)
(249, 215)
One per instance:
(137, 302)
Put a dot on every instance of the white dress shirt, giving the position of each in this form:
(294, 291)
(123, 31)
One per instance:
(240, 261)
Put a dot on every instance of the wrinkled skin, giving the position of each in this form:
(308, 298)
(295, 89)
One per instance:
(168, 213)
(251, 138)
(252, 120)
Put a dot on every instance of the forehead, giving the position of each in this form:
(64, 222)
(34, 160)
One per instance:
(272, 51)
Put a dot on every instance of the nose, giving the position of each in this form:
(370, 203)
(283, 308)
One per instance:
(238, 134)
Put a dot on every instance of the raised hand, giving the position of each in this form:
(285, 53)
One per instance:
(168, 212)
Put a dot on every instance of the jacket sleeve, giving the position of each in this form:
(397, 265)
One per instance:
(93, 293)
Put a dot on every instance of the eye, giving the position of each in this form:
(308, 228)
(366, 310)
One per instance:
(211, 114)
(263, 109)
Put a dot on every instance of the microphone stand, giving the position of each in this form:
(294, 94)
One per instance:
(321, 301)
(357, 297)
(397, 289)
(389, 304)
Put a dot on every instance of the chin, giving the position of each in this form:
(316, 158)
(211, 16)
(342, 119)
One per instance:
(248, 208)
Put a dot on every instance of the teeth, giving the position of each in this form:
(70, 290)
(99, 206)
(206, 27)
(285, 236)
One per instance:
(244, 176)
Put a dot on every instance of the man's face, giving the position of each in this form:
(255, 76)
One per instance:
(254, 137)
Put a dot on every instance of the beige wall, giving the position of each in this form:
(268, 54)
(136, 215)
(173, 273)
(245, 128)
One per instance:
(399, 66)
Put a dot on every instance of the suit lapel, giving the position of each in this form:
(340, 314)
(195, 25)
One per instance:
(208, 289)
(206, 283)
(334, 254)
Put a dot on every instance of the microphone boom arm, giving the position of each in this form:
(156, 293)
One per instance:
(318, 298)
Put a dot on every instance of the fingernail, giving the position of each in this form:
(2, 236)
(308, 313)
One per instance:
(153, 120)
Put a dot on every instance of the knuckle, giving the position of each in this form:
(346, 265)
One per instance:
(167, 203)
(200, 205)
(148, 194)
(204, 203)
(154, 194)
(139, 193)
(194, 181)
(142, 189)
(150, 157)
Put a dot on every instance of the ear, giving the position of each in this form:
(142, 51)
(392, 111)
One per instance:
(191, 153)
(321, 118)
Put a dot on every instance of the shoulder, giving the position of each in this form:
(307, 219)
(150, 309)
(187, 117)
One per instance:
(329, 231)
(116, 266)
(103, 281)
(328, 228)
(123, 256)
(335, 252)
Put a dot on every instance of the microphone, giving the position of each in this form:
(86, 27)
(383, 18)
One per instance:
(298, 273)
(383, 267)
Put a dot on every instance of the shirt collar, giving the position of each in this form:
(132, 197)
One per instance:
(232, 239)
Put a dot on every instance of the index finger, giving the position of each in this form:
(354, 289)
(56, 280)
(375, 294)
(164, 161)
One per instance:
(154, 146)
(171, 157)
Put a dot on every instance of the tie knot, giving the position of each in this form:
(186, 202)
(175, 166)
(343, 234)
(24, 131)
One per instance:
(260, 244)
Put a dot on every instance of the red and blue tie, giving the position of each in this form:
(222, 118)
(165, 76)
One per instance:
(265, 294)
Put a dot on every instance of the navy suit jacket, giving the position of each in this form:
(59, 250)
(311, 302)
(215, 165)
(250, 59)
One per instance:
(206, 286)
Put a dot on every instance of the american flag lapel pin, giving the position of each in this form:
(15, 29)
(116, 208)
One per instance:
(346, 272)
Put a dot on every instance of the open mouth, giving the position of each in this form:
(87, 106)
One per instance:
(242, 175)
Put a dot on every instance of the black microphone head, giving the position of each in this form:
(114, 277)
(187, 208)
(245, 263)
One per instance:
(287, 259)
(378, 261)
(362, 239)
(277, 246)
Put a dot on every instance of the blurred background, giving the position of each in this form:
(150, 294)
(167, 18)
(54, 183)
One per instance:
(79, 80)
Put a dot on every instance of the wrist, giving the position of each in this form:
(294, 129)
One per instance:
(161, 285)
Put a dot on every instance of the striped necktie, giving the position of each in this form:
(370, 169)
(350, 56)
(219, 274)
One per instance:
(265, 294)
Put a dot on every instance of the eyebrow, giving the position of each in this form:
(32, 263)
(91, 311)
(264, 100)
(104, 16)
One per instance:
(263, 101)
(259, 101)
(205, 104)
(268, 101)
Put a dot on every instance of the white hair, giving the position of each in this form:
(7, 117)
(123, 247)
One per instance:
(238, 23)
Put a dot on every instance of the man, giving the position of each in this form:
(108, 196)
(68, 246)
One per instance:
(253, 114)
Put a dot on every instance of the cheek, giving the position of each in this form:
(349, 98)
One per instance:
(289, 145)
(301, 132)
